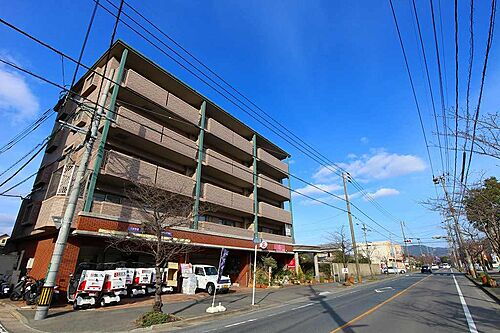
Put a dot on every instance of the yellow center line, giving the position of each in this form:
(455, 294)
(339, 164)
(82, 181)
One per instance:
(361, 316)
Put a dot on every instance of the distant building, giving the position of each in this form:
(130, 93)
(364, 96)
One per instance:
(383, 253)
(3, 239)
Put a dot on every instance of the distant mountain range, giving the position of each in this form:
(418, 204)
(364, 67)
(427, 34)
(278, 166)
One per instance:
(414, 250)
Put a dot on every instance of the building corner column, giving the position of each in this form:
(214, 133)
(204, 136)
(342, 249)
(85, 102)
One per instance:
(297, 262)
(109, 115)
(290, 201)
(255, 199)
(201, 137)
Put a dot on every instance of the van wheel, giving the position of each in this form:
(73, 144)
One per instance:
(102, 303)
(210, 289)
(75, 306)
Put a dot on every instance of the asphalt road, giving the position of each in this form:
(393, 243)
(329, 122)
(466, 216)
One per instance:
(410, 303)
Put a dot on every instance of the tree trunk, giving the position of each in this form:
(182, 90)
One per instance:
(158, 304)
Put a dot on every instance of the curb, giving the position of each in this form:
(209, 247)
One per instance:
(485, 290)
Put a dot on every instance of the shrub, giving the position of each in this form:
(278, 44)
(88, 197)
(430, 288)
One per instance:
(155, 318)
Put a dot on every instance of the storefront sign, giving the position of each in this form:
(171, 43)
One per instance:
(279, 247)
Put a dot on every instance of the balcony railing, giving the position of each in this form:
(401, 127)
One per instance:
(273, 186)
(228, 166)
(274, 213)
(229, 136)
(135, 170)
(161, 96)
(272, 161)
(225, 198)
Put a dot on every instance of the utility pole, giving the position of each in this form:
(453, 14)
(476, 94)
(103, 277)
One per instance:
(420, 247)
(407, 255)
(62, 237)
(368, 255)
(395, 260)
(460, 238)
(345, 176)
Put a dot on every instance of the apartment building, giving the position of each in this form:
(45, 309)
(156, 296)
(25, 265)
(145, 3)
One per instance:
(156, 133)
(384, 253)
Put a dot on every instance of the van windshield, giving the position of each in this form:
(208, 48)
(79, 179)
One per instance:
(211, 270)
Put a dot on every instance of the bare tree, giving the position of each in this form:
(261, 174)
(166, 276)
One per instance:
(487, 136)
(161, 212)
(340, 240)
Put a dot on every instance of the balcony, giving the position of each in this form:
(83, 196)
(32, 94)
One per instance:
(179, 143)
(161, 96)
(135, 170)
(225, 229)
(274, 213)
(275, 163)
(273, 186)
(228, 166)
(183, 109)
(54, 207)
(219, 196)
(136, 124)
(273, 238)
(146, 88)
(229, 136)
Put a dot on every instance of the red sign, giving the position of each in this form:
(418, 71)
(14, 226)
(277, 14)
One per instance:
(279, 247)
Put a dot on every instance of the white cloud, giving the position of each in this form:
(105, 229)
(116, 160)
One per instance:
(379, 165)
(383, 192)
(312, 190)
(16, 98)
(351, 156)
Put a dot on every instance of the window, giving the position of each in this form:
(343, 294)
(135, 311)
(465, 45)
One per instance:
(227, 222)
(199, 271)
(211, 270)
(108, 197)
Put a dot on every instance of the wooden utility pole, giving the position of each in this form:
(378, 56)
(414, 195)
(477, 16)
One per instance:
(460, 238)
(407, 255)
(353, 238)
(368, 254)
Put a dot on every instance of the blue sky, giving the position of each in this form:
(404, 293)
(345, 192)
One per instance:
(331, 72)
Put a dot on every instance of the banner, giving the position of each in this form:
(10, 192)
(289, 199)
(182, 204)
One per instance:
(222, 262)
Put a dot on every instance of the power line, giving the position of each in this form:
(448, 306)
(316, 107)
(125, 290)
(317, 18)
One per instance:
(324, 161)
(456, 97)
(26, 131)
(48, 81)
(440, 76)
(59, 52)
(483, 76)
(428, 81)
(471, 61)
(411, 84)
(25, 164)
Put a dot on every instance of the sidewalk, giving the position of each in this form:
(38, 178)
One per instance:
(494, 293)
(122, 317)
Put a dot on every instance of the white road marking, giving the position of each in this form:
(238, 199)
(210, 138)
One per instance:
(3, 329)
(302, 306)
(381, 290)
(324, 293)
(468, 316)
(241, 322)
